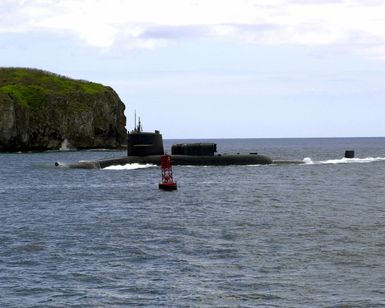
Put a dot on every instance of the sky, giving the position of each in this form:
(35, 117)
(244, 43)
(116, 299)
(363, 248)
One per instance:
(215, 68)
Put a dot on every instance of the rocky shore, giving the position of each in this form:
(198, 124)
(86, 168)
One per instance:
(40, 110)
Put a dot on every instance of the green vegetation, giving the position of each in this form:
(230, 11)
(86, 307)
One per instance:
(31, 87)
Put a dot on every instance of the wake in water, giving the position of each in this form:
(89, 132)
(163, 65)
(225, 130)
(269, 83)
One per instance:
(129, 167)
(309, 161)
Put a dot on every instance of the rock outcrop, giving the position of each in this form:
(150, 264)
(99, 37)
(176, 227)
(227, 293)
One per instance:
(40, 110)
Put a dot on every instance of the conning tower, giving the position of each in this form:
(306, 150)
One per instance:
(144, 143)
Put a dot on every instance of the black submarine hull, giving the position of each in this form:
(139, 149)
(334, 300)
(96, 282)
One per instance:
(189, 160)
(147, 148)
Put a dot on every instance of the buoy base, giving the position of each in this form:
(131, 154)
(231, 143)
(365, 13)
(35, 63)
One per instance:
(168, 186)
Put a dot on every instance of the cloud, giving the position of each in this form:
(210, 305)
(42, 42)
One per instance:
(173, 32)
(357, 24)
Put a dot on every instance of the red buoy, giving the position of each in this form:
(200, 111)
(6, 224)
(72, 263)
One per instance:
(167, 179)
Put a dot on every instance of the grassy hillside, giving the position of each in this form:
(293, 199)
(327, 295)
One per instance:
(30, 87)
(39, 109)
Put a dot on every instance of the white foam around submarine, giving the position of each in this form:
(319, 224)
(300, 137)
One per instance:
(129, 167)
(309, 161)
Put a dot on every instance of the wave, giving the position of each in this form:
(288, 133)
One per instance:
(309, 161)
(129, 167)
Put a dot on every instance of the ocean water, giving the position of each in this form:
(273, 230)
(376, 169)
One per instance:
(309, 235)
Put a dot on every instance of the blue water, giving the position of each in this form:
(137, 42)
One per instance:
(309, 235)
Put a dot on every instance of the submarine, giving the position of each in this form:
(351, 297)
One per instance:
(147, 148)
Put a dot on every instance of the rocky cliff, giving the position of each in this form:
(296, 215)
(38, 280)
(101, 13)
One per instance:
(39, 110)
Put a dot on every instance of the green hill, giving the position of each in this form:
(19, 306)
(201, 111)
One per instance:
(39, 110)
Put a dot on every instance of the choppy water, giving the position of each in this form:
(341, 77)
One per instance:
(237, 236)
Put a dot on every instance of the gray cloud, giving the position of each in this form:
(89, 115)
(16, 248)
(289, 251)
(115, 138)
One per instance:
(358, 23)
(255, 27)
(174, 32)
(197, 31)
(311, 2)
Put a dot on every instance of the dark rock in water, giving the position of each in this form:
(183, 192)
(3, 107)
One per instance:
(39, 110)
